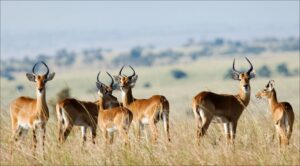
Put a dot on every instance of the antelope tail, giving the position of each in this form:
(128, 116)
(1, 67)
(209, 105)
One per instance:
(165, 109)
(60, 121)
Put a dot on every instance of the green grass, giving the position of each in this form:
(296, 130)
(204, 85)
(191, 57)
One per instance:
(255, 144)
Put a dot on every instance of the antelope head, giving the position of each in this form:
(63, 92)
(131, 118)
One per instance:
(267, 91)
(243, 77)
(104, 89)
(40, 79)
(126, 82)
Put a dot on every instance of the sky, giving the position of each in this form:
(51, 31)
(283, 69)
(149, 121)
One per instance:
(32, 25)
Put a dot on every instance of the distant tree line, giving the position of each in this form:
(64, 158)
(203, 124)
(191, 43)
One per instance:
(148, 56)
(264, 71)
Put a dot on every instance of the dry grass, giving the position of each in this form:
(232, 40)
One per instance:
(255, 143)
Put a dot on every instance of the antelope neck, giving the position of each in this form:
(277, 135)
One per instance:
(100, 101)
(244, 97)
(127, 97)
(41, 105)
(273, 100)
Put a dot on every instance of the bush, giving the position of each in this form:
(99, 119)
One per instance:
(62, 94)
(253, 49)
(147, 85)
(218, 42)
(264, 71)
(178, 74)
(20, 87)
(64, 58)
(92, 55)
(136, 52)
(228, 74)
(283, 70)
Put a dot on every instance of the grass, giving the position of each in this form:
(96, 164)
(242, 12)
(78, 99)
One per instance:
(255, 143)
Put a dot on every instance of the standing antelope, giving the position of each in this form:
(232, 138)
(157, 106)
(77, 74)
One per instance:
(72, 112)
(145, 111)
(28, 113)
(282, 113)
(112, 116)
(226, 108)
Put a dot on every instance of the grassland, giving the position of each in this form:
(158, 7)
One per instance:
(255, 143)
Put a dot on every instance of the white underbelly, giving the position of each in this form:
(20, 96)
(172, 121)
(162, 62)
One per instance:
(145, 121)
(24, 125)
(111, 129)
(220, 119)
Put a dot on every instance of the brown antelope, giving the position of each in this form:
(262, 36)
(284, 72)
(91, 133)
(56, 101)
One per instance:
(225, 108)
(72, 112)
(28, 113)
(112, 116)
(282, 113)
(145, 111)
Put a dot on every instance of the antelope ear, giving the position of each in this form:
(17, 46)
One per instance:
(117, 78)
(133, 80)
(116, 87)
(98, 84)
(101, 87)
(252, 75)
(271, 84)
(235, 76)
(31, 77)
(50, 76)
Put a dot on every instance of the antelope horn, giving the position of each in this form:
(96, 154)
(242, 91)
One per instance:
(233, 68)
(46, 67)
(133, 72)
(112, 80)
(120, 72)
(251, 66)
(34, 68)
(98, 76)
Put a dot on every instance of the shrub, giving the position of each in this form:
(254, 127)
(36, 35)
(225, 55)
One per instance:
(283, 70)
(64, 58)
(147, 85)
(20, 87)
(264, 71)
(62, 94)
(178, 74)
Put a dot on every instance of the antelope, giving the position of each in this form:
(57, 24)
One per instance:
(28, 113)
(112, 116)
(224, 108)
(72, 112)
(282, 113)
(145, 111)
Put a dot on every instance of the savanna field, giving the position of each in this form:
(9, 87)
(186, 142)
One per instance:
(255, 144)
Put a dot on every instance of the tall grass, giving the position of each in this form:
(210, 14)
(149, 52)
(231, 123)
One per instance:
(255, 144)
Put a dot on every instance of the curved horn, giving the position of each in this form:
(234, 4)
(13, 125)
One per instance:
(120, 72)
(112, 80)
(34, 68)
(46, 67)
(233, 68)
(133, 72)
(98, 76)
(251, 67)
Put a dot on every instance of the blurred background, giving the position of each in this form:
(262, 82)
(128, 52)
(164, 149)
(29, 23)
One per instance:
(165, 41)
